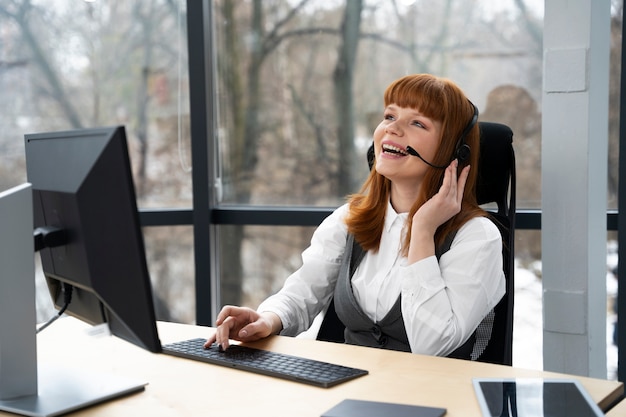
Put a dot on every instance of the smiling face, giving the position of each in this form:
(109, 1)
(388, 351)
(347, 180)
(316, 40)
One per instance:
(429, 114)
(402, 127)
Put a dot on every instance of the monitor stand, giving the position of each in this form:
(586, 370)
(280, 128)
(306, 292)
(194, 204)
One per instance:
(25, 387)
(62, 390)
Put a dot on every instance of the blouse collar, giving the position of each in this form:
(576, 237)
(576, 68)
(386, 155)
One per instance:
(391, 217)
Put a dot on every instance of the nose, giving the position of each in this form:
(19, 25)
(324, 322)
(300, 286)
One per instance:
(393, 128)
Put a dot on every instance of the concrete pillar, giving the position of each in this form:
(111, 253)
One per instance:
(574, 185)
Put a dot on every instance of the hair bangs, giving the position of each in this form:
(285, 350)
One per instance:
(422, 92)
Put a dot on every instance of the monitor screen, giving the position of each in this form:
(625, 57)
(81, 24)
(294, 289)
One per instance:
(83, 186)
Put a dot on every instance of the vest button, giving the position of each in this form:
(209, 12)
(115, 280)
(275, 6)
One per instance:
(376, 331)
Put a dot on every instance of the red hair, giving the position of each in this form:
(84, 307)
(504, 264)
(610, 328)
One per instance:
(441, 100)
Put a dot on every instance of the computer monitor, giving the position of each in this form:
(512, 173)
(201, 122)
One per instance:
(18, 350)
(27, 386)
(84, 196)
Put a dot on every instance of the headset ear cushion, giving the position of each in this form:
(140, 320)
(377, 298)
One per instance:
(463, 153)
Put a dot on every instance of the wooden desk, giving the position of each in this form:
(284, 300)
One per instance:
(179, 387)
(618, 411)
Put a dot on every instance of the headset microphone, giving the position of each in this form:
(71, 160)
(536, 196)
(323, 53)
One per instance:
(413, 152)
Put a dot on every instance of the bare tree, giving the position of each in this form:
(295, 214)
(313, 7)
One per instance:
(20, 12)
(245, 106)
(343, 78)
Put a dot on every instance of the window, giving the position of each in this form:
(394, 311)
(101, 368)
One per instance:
(297, 88)
(67, 65)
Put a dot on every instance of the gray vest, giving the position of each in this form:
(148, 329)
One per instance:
(388, 333)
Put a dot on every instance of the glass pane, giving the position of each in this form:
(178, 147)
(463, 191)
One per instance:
(298, 98)
(270, 255)
(169, 253)
(170, 256)
(528, 308)
(617, 24)
(615, 73)
(611, 312)
(68, 65)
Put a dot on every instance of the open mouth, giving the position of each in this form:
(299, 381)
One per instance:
(393, 150)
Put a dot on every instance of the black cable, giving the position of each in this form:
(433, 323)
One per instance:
(67, 299)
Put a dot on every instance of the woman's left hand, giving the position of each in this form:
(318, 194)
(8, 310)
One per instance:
(436, 211)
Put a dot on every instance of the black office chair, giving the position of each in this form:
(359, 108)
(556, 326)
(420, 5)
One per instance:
(496, 185)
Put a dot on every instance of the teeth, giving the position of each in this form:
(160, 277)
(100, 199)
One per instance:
(394, 149)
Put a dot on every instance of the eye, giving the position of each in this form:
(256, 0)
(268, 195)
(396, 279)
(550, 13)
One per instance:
(388, 116)
(417, 123)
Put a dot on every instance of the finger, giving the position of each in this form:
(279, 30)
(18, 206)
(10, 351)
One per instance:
(223, 332)
(453, 178)
(210, 340)
(253, 331)
(247, 332)
(461, 183)
(221, 335)
(225, 312)
(447, 185)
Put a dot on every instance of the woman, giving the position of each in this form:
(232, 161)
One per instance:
(401, 295)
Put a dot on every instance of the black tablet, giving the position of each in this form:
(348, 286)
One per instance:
(536, 397)
(361, 408)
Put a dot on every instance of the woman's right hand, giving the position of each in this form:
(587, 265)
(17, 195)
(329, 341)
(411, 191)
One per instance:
(243, 324)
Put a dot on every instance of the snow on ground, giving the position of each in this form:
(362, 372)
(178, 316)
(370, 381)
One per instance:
(528, 325)
(527, 321)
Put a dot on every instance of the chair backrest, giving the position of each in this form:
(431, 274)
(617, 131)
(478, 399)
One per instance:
(495, 186)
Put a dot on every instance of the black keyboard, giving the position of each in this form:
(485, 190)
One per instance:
(293, 368)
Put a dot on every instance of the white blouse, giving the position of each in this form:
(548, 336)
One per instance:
(442, 302)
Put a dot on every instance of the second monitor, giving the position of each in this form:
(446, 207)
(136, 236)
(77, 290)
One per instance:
(87, 223)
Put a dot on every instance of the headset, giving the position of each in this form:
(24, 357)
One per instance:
(462, 152)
